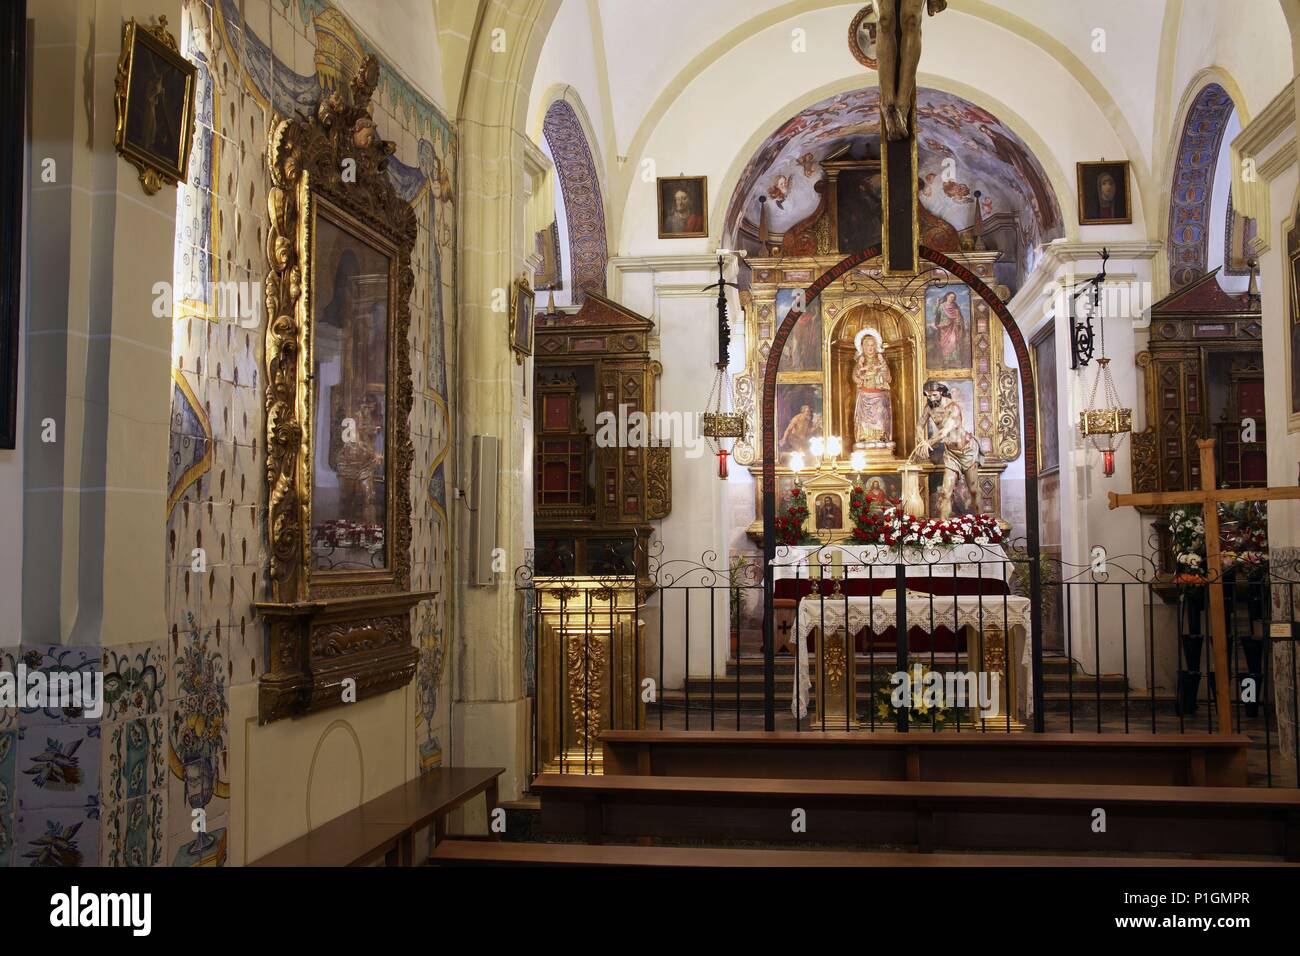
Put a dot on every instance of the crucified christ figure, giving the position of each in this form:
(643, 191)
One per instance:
(898, 51)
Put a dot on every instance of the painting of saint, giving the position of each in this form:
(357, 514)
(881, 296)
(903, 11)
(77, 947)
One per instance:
(1103, 193)
(683, 207)
(1045, 378)
(350, 372)
(803, 349)
(858, 209)
(873, 412)
(830, 512)
(882, 489)
(798, 416)
(1295, 333)
(947, 327)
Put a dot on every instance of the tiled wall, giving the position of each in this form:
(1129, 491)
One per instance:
(126, 789)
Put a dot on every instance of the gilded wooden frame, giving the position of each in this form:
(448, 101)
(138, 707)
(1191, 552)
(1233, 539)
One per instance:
(1080, 169)
(327, 626)
(660, 182)
(155, 168)
(522, 292)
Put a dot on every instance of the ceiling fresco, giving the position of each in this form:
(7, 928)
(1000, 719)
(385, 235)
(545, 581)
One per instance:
(986, 157)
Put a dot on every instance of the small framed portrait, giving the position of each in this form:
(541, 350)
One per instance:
(155, 104)
(1104, 193)
(521, 319)
(683, 207)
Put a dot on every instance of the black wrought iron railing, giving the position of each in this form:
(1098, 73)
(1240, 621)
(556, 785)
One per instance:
(1123, 650)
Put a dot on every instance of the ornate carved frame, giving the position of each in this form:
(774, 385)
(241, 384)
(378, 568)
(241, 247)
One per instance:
(155, 171)
(331, 627)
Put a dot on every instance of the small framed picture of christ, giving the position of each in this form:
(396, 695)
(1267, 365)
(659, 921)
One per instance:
(683, 207)
(1104, 196)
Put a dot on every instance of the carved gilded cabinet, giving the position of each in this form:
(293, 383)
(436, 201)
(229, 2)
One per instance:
(338, 401)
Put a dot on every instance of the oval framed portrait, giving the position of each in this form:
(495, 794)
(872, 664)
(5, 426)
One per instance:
(862, 35)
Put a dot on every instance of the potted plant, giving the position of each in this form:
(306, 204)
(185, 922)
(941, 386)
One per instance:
(736, 571)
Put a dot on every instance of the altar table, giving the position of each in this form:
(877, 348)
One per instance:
(991, 615)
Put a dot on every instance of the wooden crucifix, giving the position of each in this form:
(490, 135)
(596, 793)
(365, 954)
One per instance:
(1209, 498)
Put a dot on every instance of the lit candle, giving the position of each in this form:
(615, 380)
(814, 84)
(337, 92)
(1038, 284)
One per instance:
(796, 461)
(817, 445)
(858, 461)
(834, 445)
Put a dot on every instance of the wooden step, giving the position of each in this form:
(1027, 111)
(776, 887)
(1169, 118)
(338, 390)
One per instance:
(486, 853)
(1196, 759)
(1219, 821)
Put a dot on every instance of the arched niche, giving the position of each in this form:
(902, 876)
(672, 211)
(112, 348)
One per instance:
(899, 336)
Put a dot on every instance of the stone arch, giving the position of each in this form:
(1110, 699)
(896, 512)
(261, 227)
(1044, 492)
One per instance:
(584, 207)
(1191, 191)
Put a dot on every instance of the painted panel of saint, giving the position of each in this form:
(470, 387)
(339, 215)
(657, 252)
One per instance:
(803, 349)
(881, 490)
(829, 512)
(947, 327)
(858, 209)
(1045, 379)
(1295, 334)
(798, 416)
(350, 376)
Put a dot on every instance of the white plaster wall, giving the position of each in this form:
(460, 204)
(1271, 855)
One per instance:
(669, 290)
(406, 30)
(1054, 114)
(1219, 211)
(1250, 41)
(570, 59)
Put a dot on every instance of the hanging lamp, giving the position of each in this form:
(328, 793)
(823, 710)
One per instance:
(1105, 425)
(720, 424)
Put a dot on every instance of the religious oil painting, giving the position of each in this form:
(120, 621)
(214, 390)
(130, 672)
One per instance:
(828, 511)
(1294, 329)
(880, 490)
(1104, 194)
(798, 416)
(352, 285)
(155, 105)
(521, 320)
(683, 207)
(859, 210)
(803, 349)
(947, 327)
(1049, 442)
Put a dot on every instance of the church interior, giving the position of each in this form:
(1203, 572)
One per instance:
(753, 433)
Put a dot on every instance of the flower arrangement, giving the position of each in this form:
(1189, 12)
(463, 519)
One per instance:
(1187, 528)
(919, 710)
(1243, 539)
(888, 524)
(790, 523)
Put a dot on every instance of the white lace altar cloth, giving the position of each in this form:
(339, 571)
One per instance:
(1005, 612)
(988, 561)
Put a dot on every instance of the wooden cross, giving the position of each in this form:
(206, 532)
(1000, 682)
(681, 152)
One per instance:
(1209, 498)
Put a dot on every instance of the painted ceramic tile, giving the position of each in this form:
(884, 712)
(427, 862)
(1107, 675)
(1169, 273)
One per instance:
(59, 662)
(136, 758)
(135, 680)
(58, 765)
(133, 833)
(57, 836)
(208, 848)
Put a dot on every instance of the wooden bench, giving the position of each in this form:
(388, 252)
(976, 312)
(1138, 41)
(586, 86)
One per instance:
(1199, 760)
(1248, 822)
(480, 853)
(385, 827)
